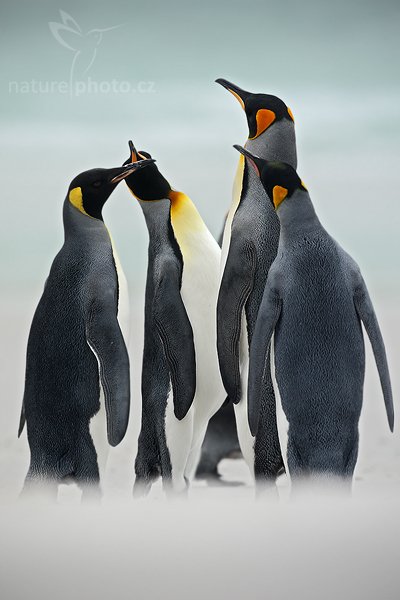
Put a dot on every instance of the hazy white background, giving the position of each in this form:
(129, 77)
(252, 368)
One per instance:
(336, 66)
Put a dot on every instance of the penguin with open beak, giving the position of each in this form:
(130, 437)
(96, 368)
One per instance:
(77, 366)
(181, 383)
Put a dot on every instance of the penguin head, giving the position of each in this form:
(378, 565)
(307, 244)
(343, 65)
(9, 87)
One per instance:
(279, 179)
(148, 184)
(262, 110)
(89, 191)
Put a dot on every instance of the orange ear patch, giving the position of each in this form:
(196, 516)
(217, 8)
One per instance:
(279, 194)
(290, 114)
(264, 118)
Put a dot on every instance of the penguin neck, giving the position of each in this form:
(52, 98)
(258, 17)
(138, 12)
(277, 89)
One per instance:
(158, 221)
(77, 223)
(277, 143)
(187, 224)
(156, 214)
(297, 217)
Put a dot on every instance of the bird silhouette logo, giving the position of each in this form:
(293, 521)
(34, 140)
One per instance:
(84, 45)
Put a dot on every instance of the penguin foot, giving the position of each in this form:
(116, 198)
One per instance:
(178, 490)
(266, 491)
(91, 494)
(204, 473)
(219, 482)
(39, 490)
(141, 488)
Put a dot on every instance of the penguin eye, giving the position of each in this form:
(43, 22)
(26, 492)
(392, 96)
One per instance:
(97, 184)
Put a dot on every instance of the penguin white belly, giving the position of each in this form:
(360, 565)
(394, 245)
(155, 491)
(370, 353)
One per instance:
(178, 436)
(98, 423)
(199, 291)
(281, 420)
(246, 440)
(98, 428)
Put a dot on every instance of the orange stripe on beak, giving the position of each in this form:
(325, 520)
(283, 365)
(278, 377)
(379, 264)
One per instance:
(238, 97)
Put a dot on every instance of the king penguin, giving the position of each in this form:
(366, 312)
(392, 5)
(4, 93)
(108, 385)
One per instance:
(76, 348)
(314, 301)
(181, 383)
(249, 247)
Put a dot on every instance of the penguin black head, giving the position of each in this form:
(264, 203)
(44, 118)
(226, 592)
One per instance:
(279, 179)
(89, 191)
(148, 184)
(261, 109)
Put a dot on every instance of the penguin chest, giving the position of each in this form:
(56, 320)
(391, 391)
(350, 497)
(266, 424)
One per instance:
(199, 292)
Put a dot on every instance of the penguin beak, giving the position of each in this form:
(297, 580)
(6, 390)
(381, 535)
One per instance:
(120, 173)
(133, 151)
(255, 161)
(236, 91)
(135, 154)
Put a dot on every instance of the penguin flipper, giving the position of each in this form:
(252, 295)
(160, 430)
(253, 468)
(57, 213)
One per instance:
(268, 315)
(22, 420)
(176, 334)
(105, 338)
(366, 313)
(236, 286)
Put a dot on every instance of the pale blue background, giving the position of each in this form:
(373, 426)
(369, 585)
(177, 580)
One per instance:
(336, 64)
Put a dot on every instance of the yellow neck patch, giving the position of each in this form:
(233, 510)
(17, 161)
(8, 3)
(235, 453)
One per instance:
(75, 197)
(290, 114)
(185, 219)
(279, 194)
(264, 118)
(237, 185)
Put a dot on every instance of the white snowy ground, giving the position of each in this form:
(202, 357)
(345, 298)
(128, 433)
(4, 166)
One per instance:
(220, 543)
